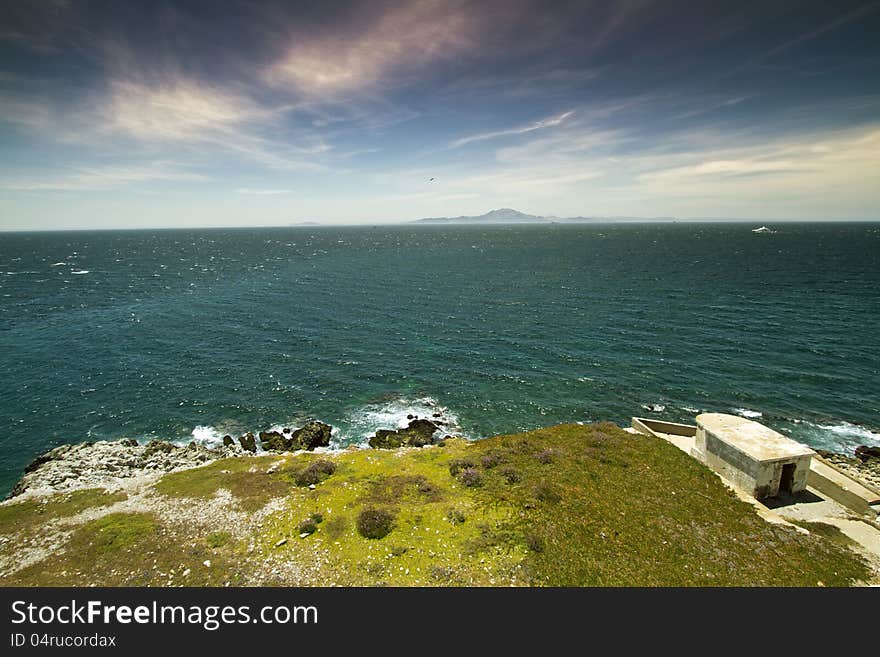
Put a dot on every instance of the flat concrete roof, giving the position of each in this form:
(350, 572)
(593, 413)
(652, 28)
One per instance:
(756, 441)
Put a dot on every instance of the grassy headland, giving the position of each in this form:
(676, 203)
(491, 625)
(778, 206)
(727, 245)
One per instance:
(571, 505)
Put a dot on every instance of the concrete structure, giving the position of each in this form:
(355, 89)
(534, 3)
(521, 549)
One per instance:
(836, 485)
(752, 457)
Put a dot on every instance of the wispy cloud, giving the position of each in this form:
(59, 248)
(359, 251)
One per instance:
(403, 38)
(250, 191)
(521, 130)
(101, 178)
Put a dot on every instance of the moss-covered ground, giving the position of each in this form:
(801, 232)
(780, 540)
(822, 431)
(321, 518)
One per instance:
(570, 505)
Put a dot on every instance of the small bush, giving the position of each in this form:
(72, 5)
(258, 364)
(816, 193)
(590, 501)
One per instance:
(534, 542)
(456, 517)
(307, 526)
(471, 477)
(317, 517)
(375, 523)
(457, 465)
(315, 472)
(511, 475)
(489, 461)
(546, 492)
(545, 457)
(442, 573)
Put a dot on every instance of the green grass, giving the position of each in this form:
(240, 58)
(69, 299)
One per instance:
(33, 513)
(570, 505)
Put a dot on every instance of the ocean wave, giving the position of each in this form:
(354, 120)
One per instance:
(362, 423)
(746, 412)
(207, 435)
(79, 271)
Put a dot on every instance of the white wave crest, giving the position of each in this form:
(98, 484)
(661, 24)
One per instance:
(362, 423)
(745, 412)
(207, 435)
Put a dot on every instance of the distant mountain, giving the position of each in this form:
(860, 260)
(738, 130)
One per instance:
(510, 216)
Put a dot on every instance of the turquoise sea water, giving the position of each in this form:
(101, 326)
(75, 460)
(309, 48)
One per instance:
(193, 334)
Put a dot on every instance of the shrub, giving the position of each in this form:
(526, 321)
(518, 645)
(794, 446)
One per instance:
(471, 477)
(545, 457)
(457, 465)
(315, 472)
(375, 523)
(511, 475)
(442, 573)
(534, 542)
(489, 461)
(547, 492)
(307, 526)
(317, 517)
(456, 517)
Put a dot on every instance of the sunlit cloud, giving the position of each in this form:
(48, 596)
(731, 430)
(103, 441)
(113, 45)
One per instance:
(402, 39)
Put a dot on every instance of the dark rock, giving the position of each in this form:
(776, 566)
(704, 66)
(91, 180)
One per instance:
(410, 417)
(128, 442)
(40, 460)
(285, 430)
(272, 441)
(158, 446)
(312, 435)
(228, 441)
(438, 415)
(865, 452)
(248, 443)
(417, 434)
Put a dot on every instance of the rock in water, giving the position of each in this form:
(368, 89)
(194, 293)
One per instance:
(417, 434)
(228, 441)
(272, 441)
(312, 435)
(248, 443)
(865, 452)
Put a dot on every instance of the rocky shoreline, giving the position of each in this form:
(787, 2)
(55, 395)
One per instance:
(114, 465)
(864, 466)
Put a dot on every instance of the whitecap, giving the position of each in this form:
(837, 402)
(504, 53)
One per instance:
(745, 412)
(58, 264)
(79, 271)
(362, 423)
(207, 435)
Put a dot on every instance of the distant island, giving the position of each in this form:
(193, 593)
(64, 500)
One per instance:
(510, 216)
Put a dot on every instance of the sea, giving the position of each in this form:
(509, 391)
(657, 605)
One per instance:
(188, 335)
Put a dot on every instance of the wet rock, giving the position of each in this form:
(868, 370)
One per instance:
(312, 435)
(228, 441)
(128, 442)
(865, 452)
(248, 442)
(417, 434)
(272, 441)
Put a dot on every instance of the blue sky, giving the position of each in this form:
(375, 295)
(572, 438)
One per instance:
(127, 114)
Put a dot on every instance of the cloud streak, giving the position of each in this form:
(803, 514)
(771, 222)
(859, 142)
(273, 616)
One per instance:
(549, 122)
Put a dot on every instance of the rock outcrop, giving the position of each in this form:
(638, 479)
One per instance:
(313, 434)
(106, 463)
(417, 433)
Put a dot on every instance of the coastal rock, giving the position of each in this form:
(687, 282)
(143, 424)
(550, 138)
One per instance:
(865, 452)
(248, 442)
(417, 433)
(228, 441)
(104, 464)
(313, 434)
(128, 442)
(272, 441)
